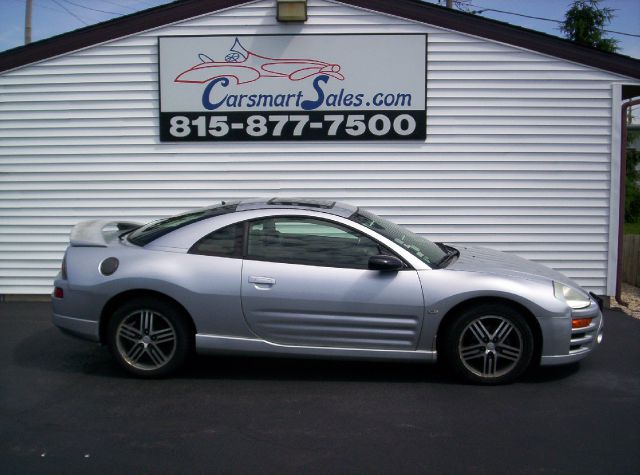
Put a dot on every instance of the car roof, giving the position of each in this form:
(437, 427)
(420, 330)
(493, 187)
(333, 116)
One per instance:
(324, 206)
(172, 236)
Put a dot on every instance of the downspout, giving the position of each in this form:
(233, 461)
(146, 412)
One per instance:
(623, 174)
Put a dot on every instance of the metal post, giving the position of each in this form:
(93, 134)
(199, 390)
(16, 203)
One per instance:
(27, 23)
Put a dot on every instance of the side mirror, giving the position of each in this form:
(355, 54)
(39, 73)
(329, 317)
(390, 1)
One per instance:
(385, 263)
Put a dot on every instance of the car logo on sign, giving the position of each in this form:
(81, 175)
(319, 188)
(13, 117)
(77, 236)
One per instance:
(245, 66)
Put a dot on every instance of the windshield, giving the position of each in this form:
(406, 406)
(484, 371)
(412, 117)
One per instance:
(428, 252)
(152, 231)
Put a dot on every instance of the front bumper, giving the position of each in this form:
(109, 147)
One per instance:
(578, 342)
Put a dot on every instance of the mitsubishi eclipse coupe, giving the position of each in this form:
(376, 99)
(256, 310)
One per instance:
(312, 278)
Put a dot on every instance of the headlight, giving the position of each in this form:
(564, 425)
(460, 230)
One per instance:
(573, 297)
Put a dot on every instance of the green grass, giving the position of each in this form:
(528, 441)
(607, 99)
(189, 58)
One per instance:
(632, 228)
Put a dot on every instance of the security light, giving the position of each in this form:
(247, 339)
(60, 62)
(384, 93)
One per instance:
(292, 10)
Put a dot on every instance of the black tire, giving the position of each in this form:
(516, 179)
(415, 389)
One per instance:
(488, 344)
(149, 338)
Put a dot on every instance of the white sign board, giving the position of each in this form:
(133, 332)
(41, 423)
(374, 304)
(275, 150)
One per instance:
(293, 87)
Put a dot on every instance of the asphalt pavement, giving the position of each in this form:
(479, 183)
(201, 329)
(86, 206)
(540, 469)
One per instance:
(66, 408)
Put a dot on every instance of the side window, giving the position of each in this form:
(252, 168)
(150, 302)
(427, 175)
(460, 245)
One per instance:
(309, 241)
(224, 242)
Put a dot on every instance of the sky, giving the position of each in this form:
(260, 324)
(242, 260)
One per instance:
(53, 17)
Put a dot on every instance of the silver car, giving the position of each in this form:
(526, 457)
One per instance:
(313, 278)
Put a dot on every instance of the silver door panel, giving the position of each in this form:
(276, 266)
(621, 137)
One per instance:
(321, 306)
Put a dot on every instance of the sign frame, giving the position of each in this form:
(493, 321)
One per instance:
(362, 125)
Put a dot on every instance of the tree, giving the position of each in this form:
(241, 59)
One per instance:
(632, 183)
(584, 23)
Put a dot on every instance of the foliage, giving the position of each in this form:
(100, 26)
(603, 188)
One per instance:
(632, 228)
(632, 188)
(584, 23)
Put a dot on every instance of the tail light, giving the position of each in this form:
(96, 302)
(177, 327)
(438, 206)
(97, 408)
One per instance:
(58, 293)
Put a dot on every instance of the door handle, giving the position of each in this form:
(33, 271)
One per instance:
(261, 280)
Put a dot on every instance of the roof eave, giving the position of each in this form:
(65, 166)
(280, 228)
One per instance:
(109, 30)
(413, 10)
(419, 11)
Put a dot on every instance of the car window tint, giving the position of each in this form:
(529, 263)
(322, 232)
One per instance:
(152, 231)
(309, 241)
(225, 242)
(318, 228)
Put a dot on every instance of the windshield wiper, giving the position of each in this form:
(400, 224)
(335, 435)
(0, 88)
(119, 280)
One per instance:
(451, 252)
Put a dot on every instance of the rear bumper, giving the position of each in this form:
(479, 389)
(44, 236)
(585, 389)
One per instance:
(74, 313)
(86, 329)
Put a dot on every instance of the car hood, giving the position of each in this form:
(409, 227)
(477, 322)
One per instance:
(481, 259)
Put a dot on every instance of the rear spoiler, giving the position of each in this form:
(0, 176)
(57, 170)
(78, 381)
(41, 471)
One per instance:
(90, 233)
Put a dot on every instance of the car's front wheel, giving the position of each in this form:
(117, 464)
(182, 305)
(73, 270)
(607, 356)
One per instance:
(489, 344)
(149, 338)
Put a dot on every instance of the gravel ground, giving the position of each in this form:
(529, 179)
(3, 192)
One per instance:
(630, 296)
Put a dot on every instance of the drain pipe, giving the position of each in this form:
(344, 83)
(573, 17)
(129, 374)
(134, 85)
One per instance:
(623, 174)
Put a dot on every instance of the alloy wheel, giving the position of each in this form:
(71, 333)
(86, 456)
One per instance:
(146, 340)
(490, 346)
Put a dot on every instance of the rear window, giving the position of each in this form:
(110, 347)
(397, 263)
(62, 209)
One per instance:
(225, 242)
(152, 231)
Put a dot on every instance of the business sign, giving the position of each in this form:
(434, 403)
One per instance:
(292, 87)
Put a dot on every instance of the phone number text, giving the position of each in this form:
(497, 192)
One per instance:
(367, 125)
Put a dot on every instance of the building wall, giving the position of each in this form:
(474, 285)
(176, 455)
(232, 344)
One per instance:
(517, 155)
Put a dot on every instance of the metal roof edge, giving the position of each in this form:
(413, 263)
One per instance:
(414, 10)
(110, 30)
(422, 12)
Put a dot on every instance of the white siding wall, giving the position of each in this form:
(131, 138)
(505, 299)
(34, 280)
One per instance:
(517, 155)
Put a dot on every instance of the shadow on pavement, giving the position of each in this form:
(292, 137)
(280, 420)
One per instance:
(238, 367)
(49, 350)
(545, 374)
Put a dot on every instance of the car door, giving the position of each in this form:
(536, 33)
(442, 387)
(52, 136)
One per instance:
(305, 282)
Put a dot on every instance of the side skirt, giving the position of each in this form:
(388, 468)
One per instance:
(214, 344)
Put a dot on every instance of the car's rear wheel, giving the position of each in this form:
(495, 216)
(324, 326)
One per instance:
(149, 338)
(489, 344)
